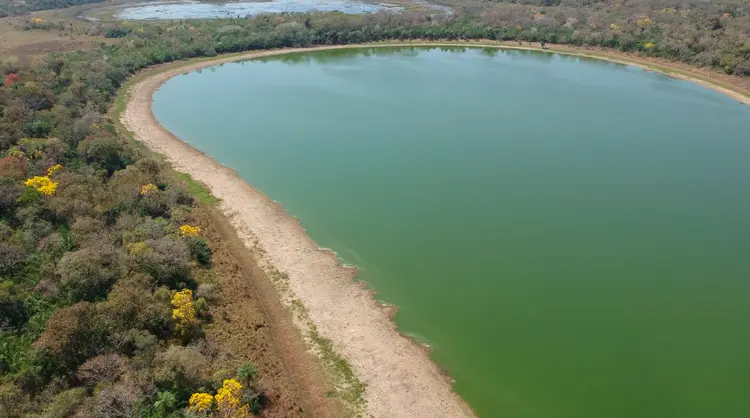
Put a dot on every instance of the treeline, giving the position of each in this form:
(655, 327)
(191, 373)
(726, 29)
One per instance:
(17, 7)
(106, 281)
(702, 33)
(707, 36)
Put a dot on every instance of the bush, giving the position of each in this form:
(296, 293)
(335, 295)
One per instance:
(10, 191)
(88, 274)
(183, 371)
(132, 305)
(200, 250)
(11, 401)
(116, 32)
(13, 313)
(65, 404)
(106, 368)
(11, 259)
(106, 152)
(167, 260)
(71, 337)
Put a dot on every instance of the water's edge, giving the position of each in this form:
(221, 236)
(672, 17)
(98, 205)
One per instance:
(138, 118)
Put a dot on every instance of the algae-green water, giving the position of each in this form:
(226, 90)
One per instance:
(571, 237)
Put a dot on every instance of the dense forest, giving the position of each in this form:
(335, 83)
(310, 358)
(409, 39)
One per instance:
(105, 279)
(702, 33)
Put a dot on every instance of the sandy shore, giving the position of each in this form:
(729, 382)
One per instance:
(401, 379)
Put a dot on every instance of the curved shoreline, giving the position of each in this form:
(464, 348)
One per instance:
(401, 379)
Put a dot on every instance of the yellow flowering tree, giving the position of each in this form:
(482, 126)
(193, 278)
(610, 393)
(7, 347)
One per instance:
(201, 403)
(227, 403)
(54, 169)
(147, 189)
(199, 248)
(184, 310)
(42, 184)
(229, 400)
(190, 231)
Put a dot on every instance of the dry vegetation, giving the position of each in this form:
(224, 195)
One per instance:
(98, 246)
(57, 31)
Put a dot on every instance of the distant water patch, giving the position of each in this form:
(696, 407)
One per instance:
(196, 10)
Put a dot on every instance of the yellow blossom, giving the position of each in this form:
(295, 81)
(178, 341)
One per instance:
(228, 399)
(148, 189)
(37, 20)
(54, 169)
(184, 310)
(190, 231)
(43, 184)
(649, 45)
(201, 402)
(228, 402)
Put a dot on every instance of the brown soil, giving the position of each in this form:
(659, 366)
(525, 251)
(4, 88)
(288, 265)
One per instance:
(249, 324)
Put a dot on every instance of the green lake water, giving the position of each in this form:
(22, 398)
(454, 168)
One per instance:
(572, 237)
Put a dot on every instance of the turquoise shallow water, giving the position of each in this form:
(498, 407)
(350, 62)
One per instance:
(570, 236)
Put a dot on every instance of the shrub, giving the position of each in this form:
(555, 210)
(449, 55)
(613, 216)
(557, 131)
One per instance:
(88, 274)
(106, 152)
(65, 404)
(10, 191)
(87, 231)
(167, 261)
(132, 305)
(200, 250)
(182, 370)
(247, 372)
(75, 196)
(11, 259)
(11, 401)
(116, 32)
(13, 313)
(207, 291)
(137, 343)
(106, 368)
(71, 337)
(148, 228)
(39, 128)
(114, 400)
(14, 167)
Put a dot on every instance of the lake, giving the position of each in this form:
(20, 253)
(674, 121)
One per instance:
(197, 10)
(570, 236)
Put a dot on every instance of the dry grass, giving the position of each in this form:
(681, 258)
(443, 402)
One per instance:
(25, 45)
(249, 324)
